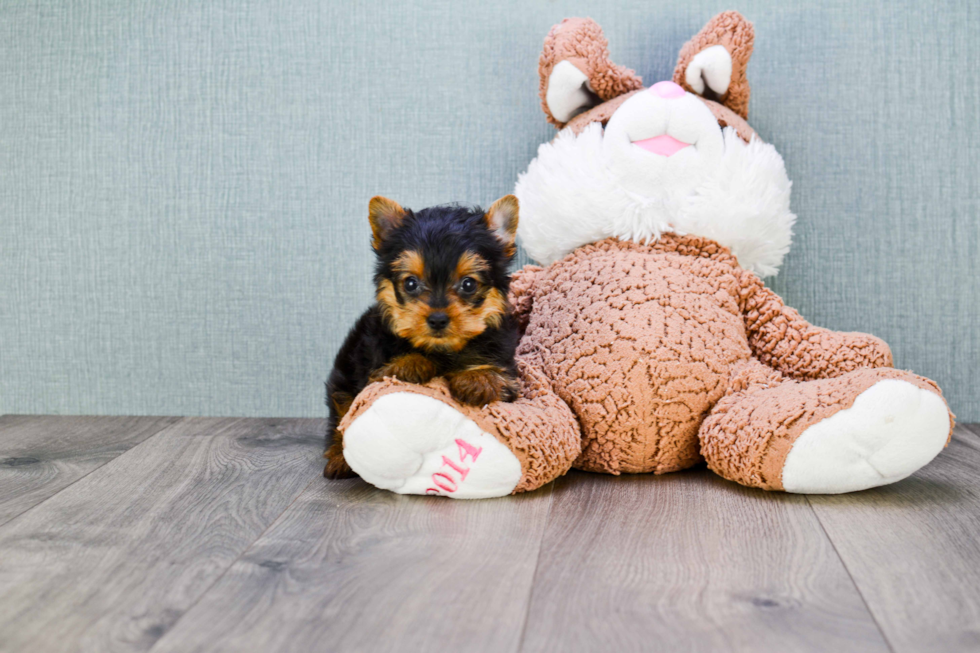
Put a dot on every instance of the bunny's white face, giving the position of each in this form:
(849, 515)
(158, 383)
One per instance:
(662, 138)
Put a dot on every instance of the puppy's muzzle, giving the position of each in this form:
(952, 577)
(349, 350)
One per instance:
(437, 321)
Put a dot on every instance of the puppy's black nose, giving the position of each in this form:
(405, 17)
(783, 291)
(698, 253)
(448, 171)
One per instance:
(437, 321)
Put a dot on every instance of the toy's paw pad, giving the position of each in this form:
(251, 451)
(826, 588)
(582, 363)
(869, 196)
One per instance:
(413, 444)
(893, 429)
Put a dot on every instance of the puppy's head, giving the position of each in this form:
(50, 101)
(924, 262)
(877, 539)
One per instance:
(441, 274)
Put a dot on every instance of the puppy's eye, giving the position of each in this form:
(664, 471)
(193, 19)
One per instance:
(411, 285)
(467, 286)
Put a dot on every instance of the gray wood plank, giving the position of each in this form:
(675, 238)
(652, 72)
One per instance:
(110, 563)
(912, 549)
(689, 562)
(41, 455)
(352, 568)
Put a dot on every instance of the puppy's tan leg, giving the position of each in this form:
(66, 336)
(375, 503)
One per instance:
(337, 466)
(482, 384)
(411, 368)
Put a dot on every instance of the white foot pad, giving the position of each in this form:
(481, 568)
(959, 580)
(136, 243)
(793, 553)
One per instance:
(893, 429)
(413, 444)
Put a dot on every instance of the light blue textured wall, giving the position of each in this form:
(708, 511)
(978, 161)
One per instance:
(183, 184)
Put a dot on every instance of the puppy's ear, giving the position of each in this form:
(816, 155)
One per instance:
(713, 63)
(577, 73)
(502, 219)
(385, 215)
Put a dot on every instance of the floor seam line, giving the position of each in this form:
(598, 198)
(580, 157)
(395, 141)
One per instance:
(232, 564)
(537, 563)
(847, 569)
(972, 429)
(92, 471)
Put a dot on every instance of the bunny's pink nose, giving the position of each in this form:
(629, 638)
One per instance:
(667, 90)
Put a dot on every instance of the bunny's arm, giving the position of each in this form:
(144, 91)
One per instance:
(783, 340)
(522, 293)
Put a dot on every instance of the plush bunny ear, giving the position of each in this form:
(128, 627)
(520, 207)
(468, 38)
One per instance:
(713, 63)
(576, 72)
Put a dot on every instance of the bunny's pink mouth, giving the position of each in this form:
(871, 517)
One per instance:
(664, 145)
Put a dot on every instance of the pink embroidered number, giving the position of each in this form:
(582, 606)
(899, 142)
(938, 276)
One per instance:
(463, 471)
(442, 480)
(444, 486)
(467, 448)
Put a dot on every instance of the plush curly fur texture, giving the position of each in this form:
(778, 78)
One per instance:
(651, 358)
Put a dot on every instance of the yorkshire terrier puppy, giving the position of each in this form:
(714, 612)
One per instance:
(441, 281)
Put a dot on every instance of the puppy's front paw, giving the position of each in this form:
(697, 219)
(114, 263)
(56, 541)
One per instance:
(481, 385)
(337, 466)
(411, 368)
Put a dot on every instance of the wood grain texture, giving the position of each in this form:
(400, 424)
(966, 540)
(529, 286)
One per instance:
(352, 568)
(110, 563)
(689, 562)
(41, 455)
(219, 535)
(912, 549)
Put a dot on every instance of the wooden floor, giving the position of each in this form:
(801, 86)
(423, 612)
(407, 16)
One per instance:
(169, 534)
